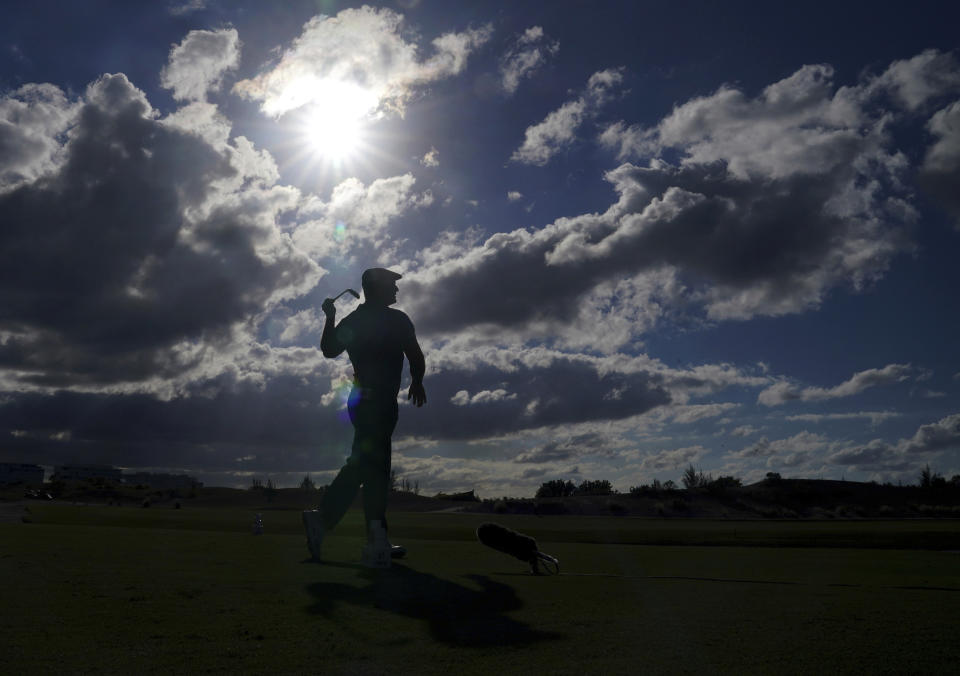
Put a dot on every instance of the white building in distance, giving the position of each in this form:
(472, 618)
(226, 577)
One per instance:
(18, 472)
(80, 472)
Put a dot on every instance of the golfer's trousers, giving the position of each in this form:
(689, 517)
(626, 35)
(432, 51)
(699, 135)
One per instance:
(374, 416)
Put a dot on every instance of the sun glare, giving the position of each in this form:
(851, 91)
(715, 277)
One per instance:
(334, 124)
(333, 135)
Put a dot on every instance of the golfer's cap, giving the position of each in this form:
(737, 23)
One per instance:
(374, 277)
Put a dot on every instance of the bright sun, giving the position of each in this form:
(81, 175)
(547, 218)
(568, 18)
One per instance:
(335, 122)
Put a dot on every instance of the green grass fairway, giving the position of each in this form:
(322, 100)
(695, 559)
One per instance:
(131, 591)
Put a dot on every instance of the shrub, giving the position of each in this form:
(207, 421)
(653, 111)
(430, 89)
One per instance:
(656, 488)
(722, 484)
(145, 503)
(598, 487)
(661, 510)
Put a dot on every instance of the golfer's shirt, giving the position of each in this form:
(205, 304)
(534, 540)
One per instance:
(375, 339)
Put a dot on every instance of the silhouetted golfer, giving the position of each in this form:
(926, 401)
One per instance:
(376, 337)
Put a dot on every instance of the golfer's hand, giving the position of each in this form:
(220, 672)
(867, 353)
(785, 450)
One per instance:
(328, 308)
(417, 394)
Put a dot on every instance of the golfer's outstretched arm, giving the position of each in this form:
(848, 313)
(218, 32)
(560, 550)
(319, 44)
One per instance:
(330, 345)
(418, 366)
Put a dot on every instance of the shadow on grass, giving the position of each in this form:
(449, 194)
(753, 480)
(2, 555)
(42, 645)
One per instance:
(456, 614)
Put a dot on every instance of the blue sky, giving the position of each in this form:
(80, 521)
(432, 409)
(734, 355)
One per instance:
(633, 236)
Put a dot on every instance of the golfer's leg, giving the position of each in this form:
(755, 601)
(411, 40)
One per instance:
(376, 472)
(376, 483)
(340, 493)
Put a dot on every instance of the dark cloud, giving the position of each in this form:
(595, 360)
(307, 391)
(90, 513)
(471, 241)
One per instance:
(560, 391)
(279, 427)
(874, 455)
(939, 436)
(130, 248)
(940, 173)
(753, 206)
(782, 392)
(567, 449)
(879, 455)
(743, 246)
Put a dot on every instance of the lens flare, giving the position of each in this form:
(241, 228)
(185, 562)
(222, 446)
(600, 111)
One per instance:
(342, 394)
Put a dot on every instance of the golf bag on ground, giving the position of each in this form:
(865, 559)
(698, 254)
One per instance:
(518, 545)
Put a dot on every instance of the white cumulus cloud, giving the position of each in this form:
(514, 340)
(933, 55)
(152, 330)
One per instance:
(558, 129)
(782, 392)
(31, 120)
(431, 158)
(197, 65)
(525, 57)
(362, 52)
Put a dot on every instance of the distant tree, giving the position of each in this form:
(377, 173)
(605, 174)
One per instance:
(256, 484)
(598, 487)
(693, 479)
(394, 479)
(931, 479)
(270, 491)
(773, 476)
(723, 483)
(558, 488)
(416, 487)
(669, 485)
(307, 484)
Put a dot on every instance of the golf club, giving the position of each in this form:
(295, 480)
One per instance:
(350, 291)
